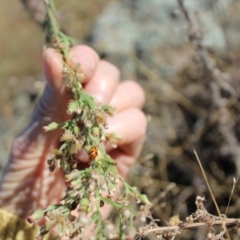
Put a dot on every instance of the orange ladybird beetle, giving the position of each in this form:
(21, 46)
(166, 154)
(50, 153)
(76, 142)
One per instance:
(93, 153)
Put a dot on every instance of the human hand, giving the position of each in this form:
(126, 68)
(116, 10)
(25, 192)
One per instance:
(27, 184)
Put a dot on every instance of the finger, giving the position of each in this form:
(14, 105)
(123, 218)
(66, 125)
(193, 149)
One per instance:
(124, 161)
(131, 125)
(128, 94)
(53, 64)
(104, 82)
(86, 57)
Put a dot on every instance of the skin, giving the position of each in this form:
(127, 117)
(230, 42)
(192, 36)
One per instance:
(27, 184)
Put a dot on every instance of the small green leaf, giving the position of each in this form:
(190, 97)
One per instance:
(66, 124)
(63, 146)
(50, 127)
(73, 106)
(76, 130)
(38, 214)
(144, 199)
(89, 100)
(84, 203)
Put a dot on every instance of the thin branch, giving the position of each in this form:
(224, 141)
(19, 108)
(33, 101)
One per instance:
(227, 221)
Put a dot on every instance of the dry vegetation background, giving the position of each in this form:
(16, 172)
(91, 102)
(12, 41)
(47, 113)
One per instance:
(192, 89)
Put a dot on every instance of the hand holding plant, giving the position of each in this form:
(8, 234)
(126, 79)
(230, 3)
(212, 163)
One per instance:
(28, 184)
(74, 112)
(66, 170)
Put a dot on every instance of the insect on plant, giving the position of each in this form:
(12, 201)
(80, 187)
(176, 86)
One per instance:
(93, 153)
